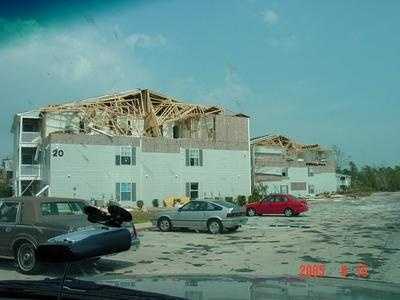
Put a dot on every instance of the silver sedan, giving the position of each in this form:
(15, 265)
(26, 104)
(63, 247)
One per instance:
(214, 216)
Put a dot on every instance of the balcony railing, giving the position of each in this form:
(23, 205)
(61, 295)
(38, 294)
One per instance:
(30, 170)
(30, 137)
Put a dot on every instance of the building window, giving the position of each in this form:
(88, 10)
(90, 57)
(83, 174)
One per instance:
(192, 190)
(126, 156)
(285, 172)
(81, 126)
(311, 189)
(194, 157)
(310, 172)
(175, 131)
(298, 186)
(125, 191)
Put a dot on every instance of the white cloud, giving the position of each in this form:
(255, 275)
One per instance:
(78, 61)
(233, 93)
(51, 65)
(270, 17)
(43, 65)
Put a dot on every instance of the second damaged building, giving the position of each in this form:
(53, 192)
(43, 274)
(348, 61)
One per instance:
(285, 166)
(137, 145)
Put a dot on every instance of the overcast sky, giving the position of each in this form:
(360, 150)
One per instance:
(319, 71)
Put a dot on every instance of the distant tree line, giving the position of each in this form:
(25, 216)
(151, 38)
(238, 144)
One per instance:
(373, 179)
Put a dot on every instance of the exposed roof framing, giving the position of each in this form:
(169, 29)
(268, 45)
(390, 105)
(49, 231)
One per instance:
(154, 109)
(283, 142)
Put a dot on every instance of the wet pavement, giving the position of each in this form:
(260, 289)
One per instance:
(340, 234)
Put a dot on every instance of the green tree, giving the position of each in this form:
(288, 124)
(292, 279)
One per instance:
(5, 190)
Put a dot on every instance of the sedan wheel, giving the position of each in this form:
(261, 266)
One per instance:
(251, 212)
(26, 258)
(164, 224)
(215, 226)
(288, 212)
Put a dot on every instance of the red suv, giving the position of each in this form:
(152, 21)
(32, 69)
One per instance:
(278, 204)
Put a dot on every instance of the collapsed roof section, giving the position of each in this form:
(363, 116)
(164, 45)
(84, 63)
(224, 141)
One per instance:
(283, 142)
(308, 154)
(132, 113)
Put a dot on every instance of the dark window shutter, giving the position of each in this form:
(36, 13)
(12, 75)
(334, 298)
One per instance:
(188, 189)
(133, 197)
(201, 157)
(117, 191)
(187, 157)
(118, 160)
(133, 156)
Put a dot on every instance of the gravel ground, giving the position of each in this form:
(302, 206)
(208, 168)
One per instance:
(334, 232)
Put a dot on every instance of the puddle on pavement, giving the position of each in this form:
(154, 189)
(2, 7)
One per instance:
(372, 261)
(165, 258)
(197, 247)
(225, 252)
(245, 242)
(196, 265)
(145, 262)
(312, 231)
(285, 251)
(287, 246)
(243, 270)
(308, 258)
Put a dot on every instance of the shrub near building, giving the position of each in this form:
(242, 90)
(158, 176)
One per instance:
(241, 200)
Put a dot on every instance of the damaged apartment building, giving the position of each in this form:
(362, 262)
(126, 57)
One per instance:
(135, 145)
(287, 167)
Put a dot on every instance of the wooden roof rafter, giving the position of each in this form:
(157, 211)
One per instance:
(153, 108)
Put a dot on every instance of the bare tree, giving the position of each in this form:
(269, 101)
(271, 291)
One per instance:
(341, 158)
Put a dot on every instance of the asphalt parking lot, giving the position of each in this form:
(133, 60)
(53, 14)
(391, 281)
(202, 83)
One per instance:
(334, 233)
